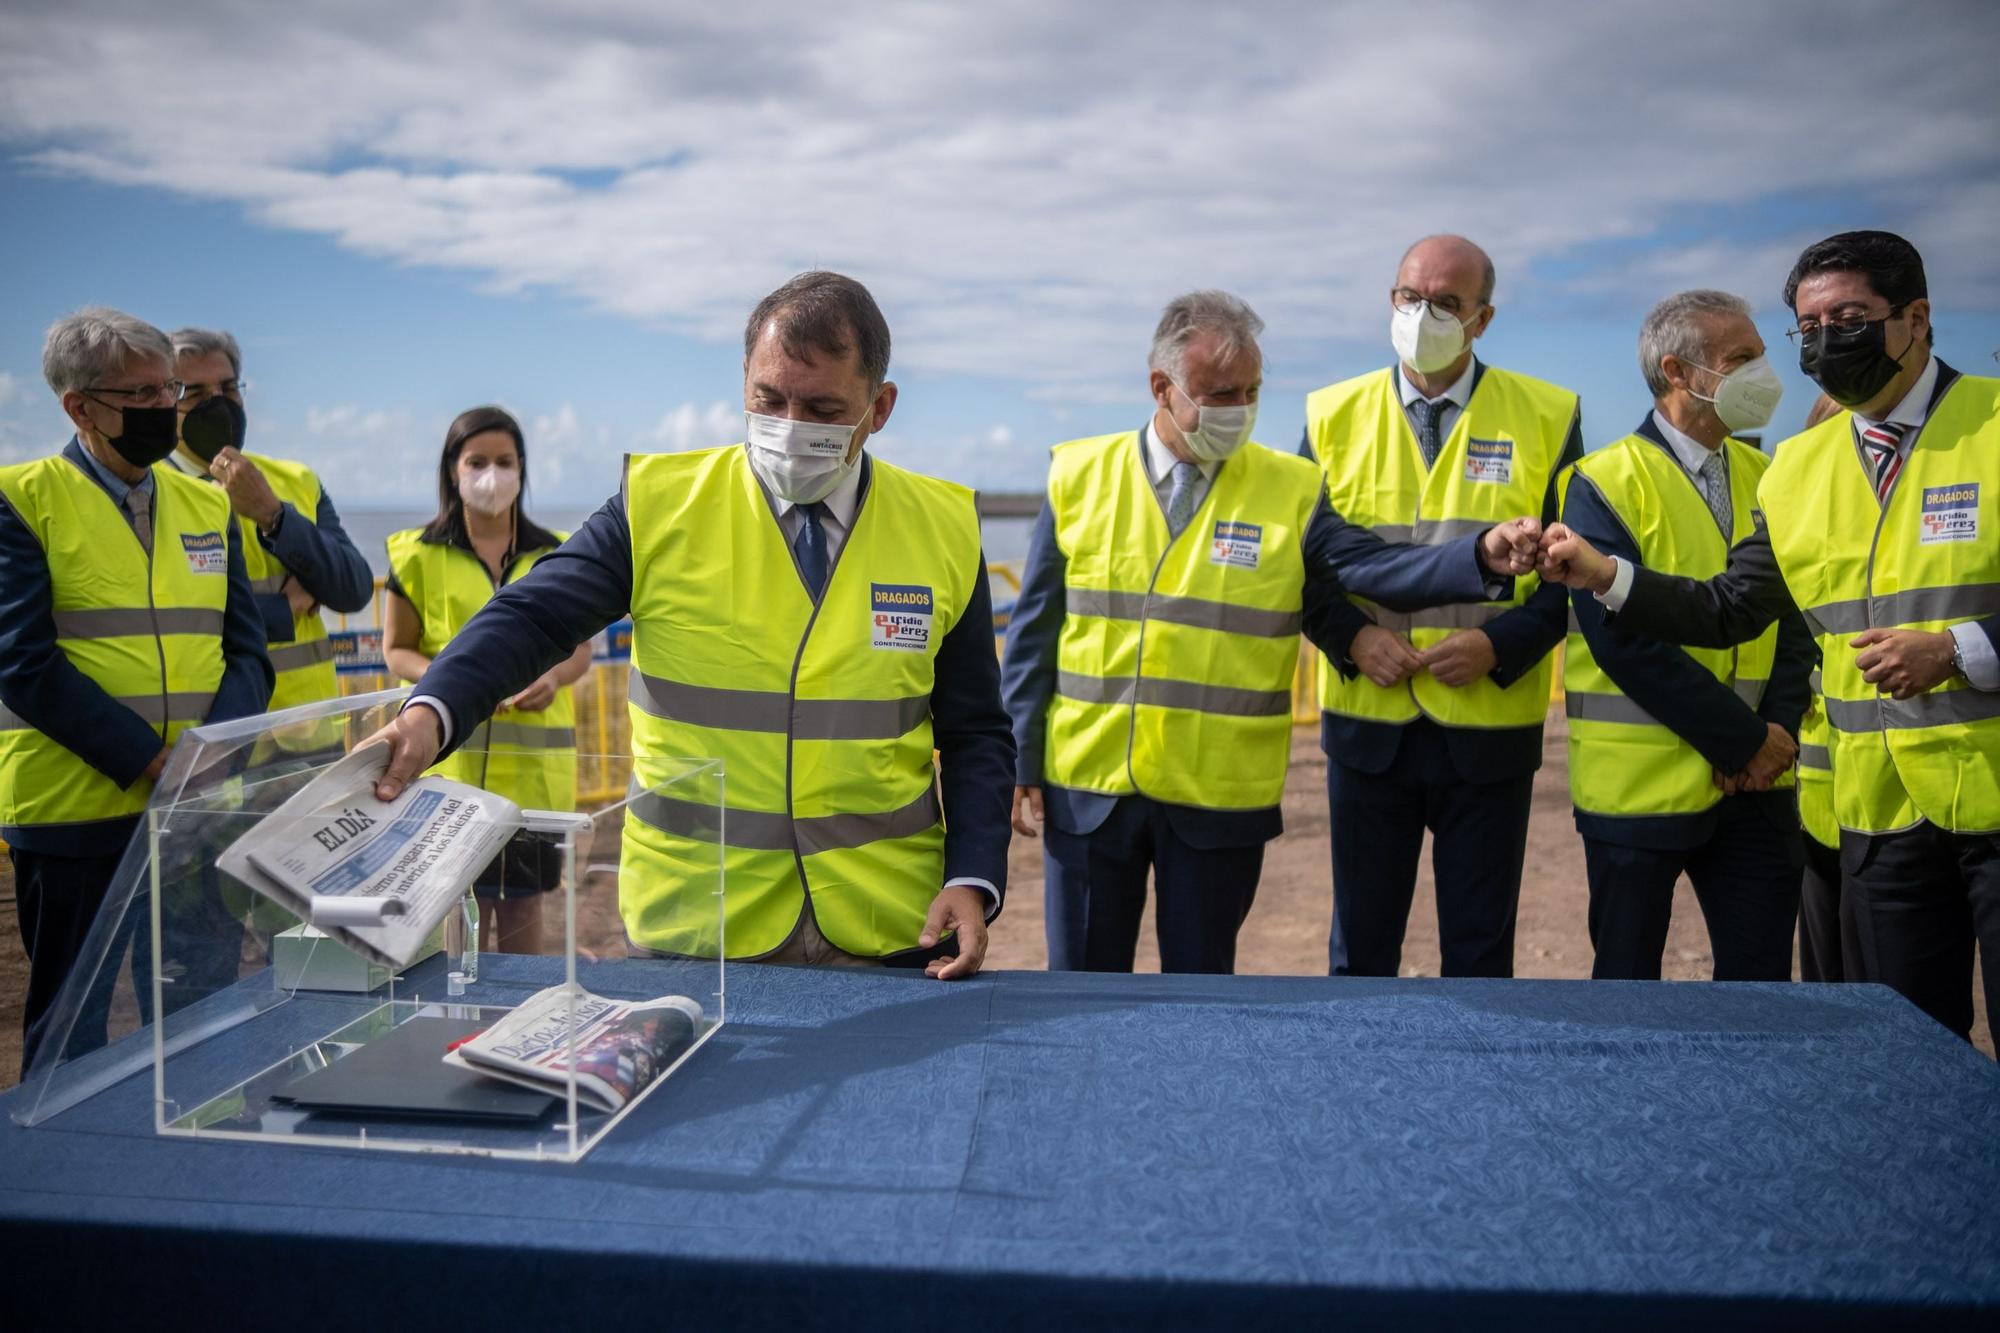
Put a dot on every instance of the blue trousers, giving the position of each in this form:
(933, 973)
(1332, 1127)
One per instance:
(1479, 837)
(1096, 892)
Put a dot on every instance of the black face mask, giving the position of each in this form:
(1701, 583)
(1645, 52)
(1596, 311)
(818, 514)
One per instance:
(1851, 367)
(215, 423)
(148, 435)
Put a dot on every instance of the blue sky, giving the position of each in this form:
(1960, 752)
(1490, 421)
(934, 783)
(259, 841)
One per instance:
(404, 211)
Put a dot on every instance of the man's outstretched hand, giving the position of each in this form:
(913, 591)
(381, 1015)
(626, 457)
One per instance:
(960, 908)
(1509, 549)
(1573, 562)
(414, 739)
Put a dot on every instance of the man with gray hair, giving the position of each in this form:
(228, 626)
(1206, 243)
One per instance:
(1680, 758)
(1151, 653)
(297, 555)
(125, 618)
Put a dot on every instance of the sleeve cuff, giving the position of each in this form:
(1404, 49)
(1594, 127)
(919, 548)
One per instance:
(436, 705)
(1977, 655)
(992, 893)
(269, 540)
(1621, 585)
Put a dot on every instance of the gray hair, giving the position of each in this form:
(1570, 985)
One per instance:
(202, 342)
(1201, 312)
(95, 343)
(1674, 328)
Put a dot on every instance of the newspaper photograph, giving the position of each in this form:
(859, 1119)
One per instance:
(621, 1045)
(375, 875)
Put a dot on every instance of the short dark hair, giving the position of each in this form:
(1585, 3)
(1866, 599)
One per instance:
(825, 312)
(1891, 264)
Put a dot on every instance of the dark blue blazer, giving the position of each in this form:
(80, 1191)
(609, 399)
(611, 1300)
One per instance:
(1336, 553)
(586, 583)
(1681, 693)
(1521, 637)
(40, 684)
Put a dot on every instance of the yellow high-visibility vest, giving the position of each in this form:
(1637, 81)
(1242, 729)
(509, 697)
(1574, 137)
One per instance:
(528, 756)
(1621, 760)
(1928, 558)
(147, 628)
(305, 665)
(820, 713)
(1495, 465)
(1816, 773)
(1176, 655)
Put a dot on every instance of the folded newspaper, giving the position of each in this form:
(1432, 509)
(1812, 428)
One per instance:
(375, 875)
(620, 1046)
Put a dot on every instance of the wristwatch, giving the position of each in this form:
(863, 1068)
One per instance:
(1957, 656)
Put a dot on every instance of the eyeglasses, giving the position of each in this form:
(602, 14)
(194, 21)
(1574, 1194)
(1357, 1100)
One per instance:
(193, 395)
(1450, 305)
(1846, 326)
(170, 392)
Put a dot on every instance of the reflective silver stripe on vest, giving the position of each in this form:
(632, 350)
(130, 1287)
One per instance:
(1227, 700)
(110, 622)
(767, 831)
(190, 707)
(1751, 691)
(1910, 607)
(1815, 756)
(1589, 707)
(292, 656)
(522, 733)
(268, 584)
(1430, 531)
(1938, 708)
(774, 711)
(1198, 612)
(1469, 616)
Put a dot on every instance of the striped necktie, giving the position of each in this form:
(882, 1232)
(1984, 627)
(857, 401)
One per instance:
(1883, 443)
(1714, 479)
(1428, 414)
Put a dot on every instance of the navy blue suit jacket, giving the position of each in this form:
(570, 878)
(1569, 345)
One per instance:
(1521, 638)
(1337, 553)
(40, 684)
(1680, 693)
(586, 583)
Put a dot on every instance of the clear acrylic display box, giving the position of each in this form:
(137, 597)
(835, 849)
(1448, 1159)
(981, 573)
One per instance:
(241, 1009)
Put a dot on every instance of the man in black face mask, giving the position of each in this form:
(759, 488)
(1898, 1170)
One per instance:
(1883, 524)
(125, 618)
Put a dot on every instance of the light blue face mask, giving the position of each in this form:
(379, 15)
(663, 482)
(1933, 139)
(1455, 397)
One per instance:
(1219, 431)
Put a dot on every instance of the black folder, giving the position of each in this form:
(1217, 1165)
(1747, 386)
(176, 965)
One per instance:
(402, 1074)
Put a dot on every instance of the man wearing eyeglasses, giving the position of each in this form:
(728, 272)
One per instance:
(1434, 719)
(125, 618)
(298, 557)
(1882, 524)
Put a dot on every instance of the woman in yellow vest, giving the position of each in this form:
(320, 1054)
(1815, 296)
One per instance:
(440, 575)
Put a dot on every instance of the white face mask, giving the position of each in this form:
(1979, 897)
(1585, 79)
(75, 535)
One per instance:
(1426, 338)
(801, 461)
(1746, 397)
(490, 491)
(1219, 431)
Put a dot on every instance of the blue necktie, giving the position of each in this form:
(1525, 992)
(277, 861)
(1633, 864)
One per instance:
(810, 548)
(1428, 413)
(1180, 501)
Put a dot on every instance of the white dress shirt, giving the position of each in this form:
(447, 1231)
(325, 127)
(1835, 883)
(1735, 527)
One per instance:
(1975, 651)
(1160, 463)
(1453, 399)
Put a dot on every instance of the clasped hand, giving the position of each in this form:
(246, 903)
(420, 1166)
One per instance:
(1772, 761)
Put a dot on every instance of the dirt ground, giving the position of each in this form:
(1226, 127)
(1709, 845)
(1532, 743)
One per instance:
(1287, 930)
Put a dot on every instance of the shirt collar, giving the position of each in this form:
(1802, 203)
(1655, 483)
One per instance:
(1160, 460)
(1460, 392)
(110, 480)
(1916, 404)
(1691, 452)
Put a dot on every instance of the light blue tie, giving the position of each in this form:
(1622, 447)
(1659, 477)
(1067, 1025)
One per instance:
(1180, 501)
(1715, 489)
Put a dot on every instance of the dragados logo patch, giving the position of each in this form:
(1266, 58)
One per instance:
(207, 552)
(1489, 460)
(1950, 514)
(1238, 544)
(902, 616)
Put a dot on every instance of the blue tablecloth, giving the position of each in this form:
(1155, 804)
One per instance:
(882, 1151)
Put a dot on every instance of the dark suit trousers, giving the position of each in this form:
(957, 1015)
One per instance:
(1745, 876)
(1921, 897)
(59, 897)
(1096, 893)
(1480, 835)
(1829, 944)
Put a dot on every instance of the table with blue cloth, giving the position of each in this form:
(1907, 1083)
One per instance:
(876, 1150)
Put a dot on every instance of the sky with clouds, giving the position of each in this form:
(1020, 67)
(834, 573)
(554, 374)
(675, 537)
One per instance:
(403, 210)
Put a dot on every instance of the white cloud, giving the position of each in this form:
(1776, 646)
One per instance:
(1024, 186)
(10, 389)
(690, 427)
